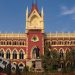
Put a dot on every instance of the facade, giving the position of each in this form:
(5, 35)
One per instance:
(22, 48)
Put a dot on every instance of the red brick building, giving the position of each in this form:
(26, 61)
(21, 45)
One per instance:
(21, 48)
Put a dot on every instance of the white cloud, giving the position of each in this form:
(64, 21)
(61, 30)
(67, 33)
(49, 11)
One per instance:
(67, 11)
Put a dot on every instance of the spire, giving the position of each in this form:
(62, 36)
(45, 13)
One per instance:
(27, 10)
(42, 12)
(27, 13)
(34, 6)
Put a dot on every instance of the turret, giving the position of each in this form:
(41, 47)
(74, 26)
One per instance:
(27, 13)
(42, 13)
(34, 19)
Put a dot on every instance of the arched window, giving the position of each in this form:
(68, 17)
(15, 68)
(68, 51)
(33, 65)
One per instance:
(72, 42)
(60, 42)
(4, 42)
(20, 43)
(14, 54)
(61, 54)
(14, 43)
(8, 54)
(10, 43)
(7, 43)
(54, 42)
(66, 42)
(21, 55)
(1, 53)
(1, 42)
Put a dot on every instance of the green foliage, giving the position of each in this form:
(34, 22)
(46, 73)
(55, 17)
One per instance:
(49, 61)
(26, 69)
(70, 60)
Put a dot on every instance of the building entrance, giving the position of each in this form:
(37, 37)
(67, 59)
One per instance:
(36, 53)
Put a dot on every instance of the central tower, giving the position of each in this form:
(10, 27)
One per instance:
(35, 31)
(34, 19)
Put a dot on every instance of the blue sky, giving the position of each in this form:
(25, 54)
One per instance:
(59, 15)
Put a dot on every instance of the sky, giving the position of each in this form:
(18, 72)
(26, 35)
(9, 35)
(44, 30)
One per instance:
(59, 15)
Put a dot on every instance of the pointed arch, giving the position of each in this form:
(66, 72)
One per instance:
(13, 67)
(67, 49)
(15, 50)
(8, 53)
(8, 49)
(35, 52)
(14, 63)
(22, 50)
(21, 64)
(32, 55)
(14, 53)
(21, 54)
(61, 49)
(55, 49)
(61, 53)
(34, 13)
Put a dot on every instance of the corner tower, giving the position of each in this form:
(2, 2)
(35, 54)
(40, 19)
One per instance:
(35, 32)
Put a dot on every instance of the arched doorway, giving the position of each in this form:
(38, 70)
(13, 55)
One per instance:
(13, 66)
(21, 66)
(35, 53)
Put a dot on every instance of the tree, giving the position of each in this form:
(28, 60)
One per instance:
(54, 58)
(70, 60)
(26, 69)
(46, 59)
(50, 59)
